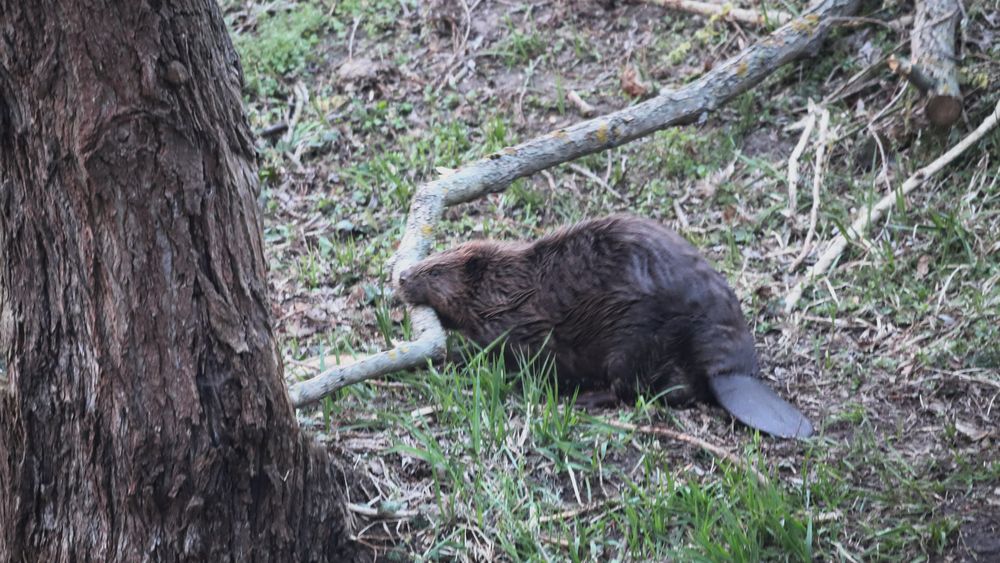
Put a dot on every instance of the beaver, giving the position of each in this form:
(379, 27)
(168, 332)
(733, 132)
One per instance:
(620, 303)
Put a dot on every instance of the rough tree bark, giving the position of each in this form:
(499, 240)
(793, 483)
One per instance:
(145, 417)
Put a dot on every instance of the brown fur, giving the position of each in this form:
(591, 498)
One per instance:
(619, 303)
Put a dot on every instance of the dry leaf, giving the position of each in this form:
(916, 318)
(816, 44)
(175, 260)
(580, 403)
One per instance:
(300, 330)
(316, 314)
(923, 266)
(706, 187)
(971, 432)
(728, 213)
(361, 68)
(764, 292)
(631, 83)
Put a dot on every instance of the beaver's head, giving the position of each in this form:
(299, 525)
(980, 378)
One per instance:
(449, 282)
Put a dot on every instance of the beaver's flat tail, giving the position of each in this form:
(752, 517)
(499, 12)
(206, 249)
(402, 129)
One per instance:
(755, 404)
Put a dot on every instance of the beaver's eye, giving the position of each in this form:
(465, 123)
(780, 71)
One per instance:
(434, 272)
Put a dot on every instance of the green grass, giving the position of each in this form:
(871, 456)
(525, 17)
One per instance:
(280, 48)
(375, 17)
(510, 481)
(506, 458)
(521, 45)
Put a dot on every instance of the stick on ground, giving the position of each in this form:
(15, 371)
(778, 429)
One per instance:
(687, 438)
(585, 109)
(494, 173)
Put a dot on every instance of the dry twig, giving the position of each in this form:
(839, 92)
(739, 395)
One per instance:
(350, 41)
(596, 179)
(578, 511)
(679, 210)
(370, 512)
(585, 109)
(301, 98)
(688, 439)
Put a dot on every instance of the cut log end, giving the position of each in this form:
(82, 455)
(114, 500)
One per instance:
(932, 46)
(943, 111)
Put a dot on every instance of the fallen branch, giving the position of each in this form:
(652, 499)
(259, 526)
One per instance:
(430, 344)
(896, 26)
(317, 363)
(494, 173)
(866, 217)
(687, 438)
(273, 130)
(974, 379)
(725, 11)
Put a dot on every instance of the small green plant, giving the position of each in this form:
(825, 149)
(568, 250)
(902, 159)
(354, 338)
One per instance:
(521, 194)
(310, 268)
(680, 51)
(520, 46)
(685, 152)
(496, 135)
(560, 95)
(280, 48)
(375, 16)
(953, 237)
(345, 253)
(383, 316)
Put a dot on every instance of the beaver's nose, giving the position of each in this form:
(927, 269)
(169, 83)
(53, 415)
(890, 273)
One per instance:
(404, 277)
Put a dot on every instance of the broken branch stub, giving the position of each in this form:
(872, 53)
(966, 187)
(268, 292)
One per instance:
(933, 70)
(494, 173)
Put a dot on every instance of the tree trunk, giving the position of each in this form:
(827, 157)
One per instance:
(145, 416)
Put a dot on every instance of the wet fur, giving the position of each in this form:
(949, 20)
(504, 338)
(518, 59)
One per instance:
(619, 303)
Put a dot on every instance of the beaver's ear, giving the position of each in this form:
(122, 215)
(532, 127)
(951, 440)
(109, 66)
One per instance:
(475, 267)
